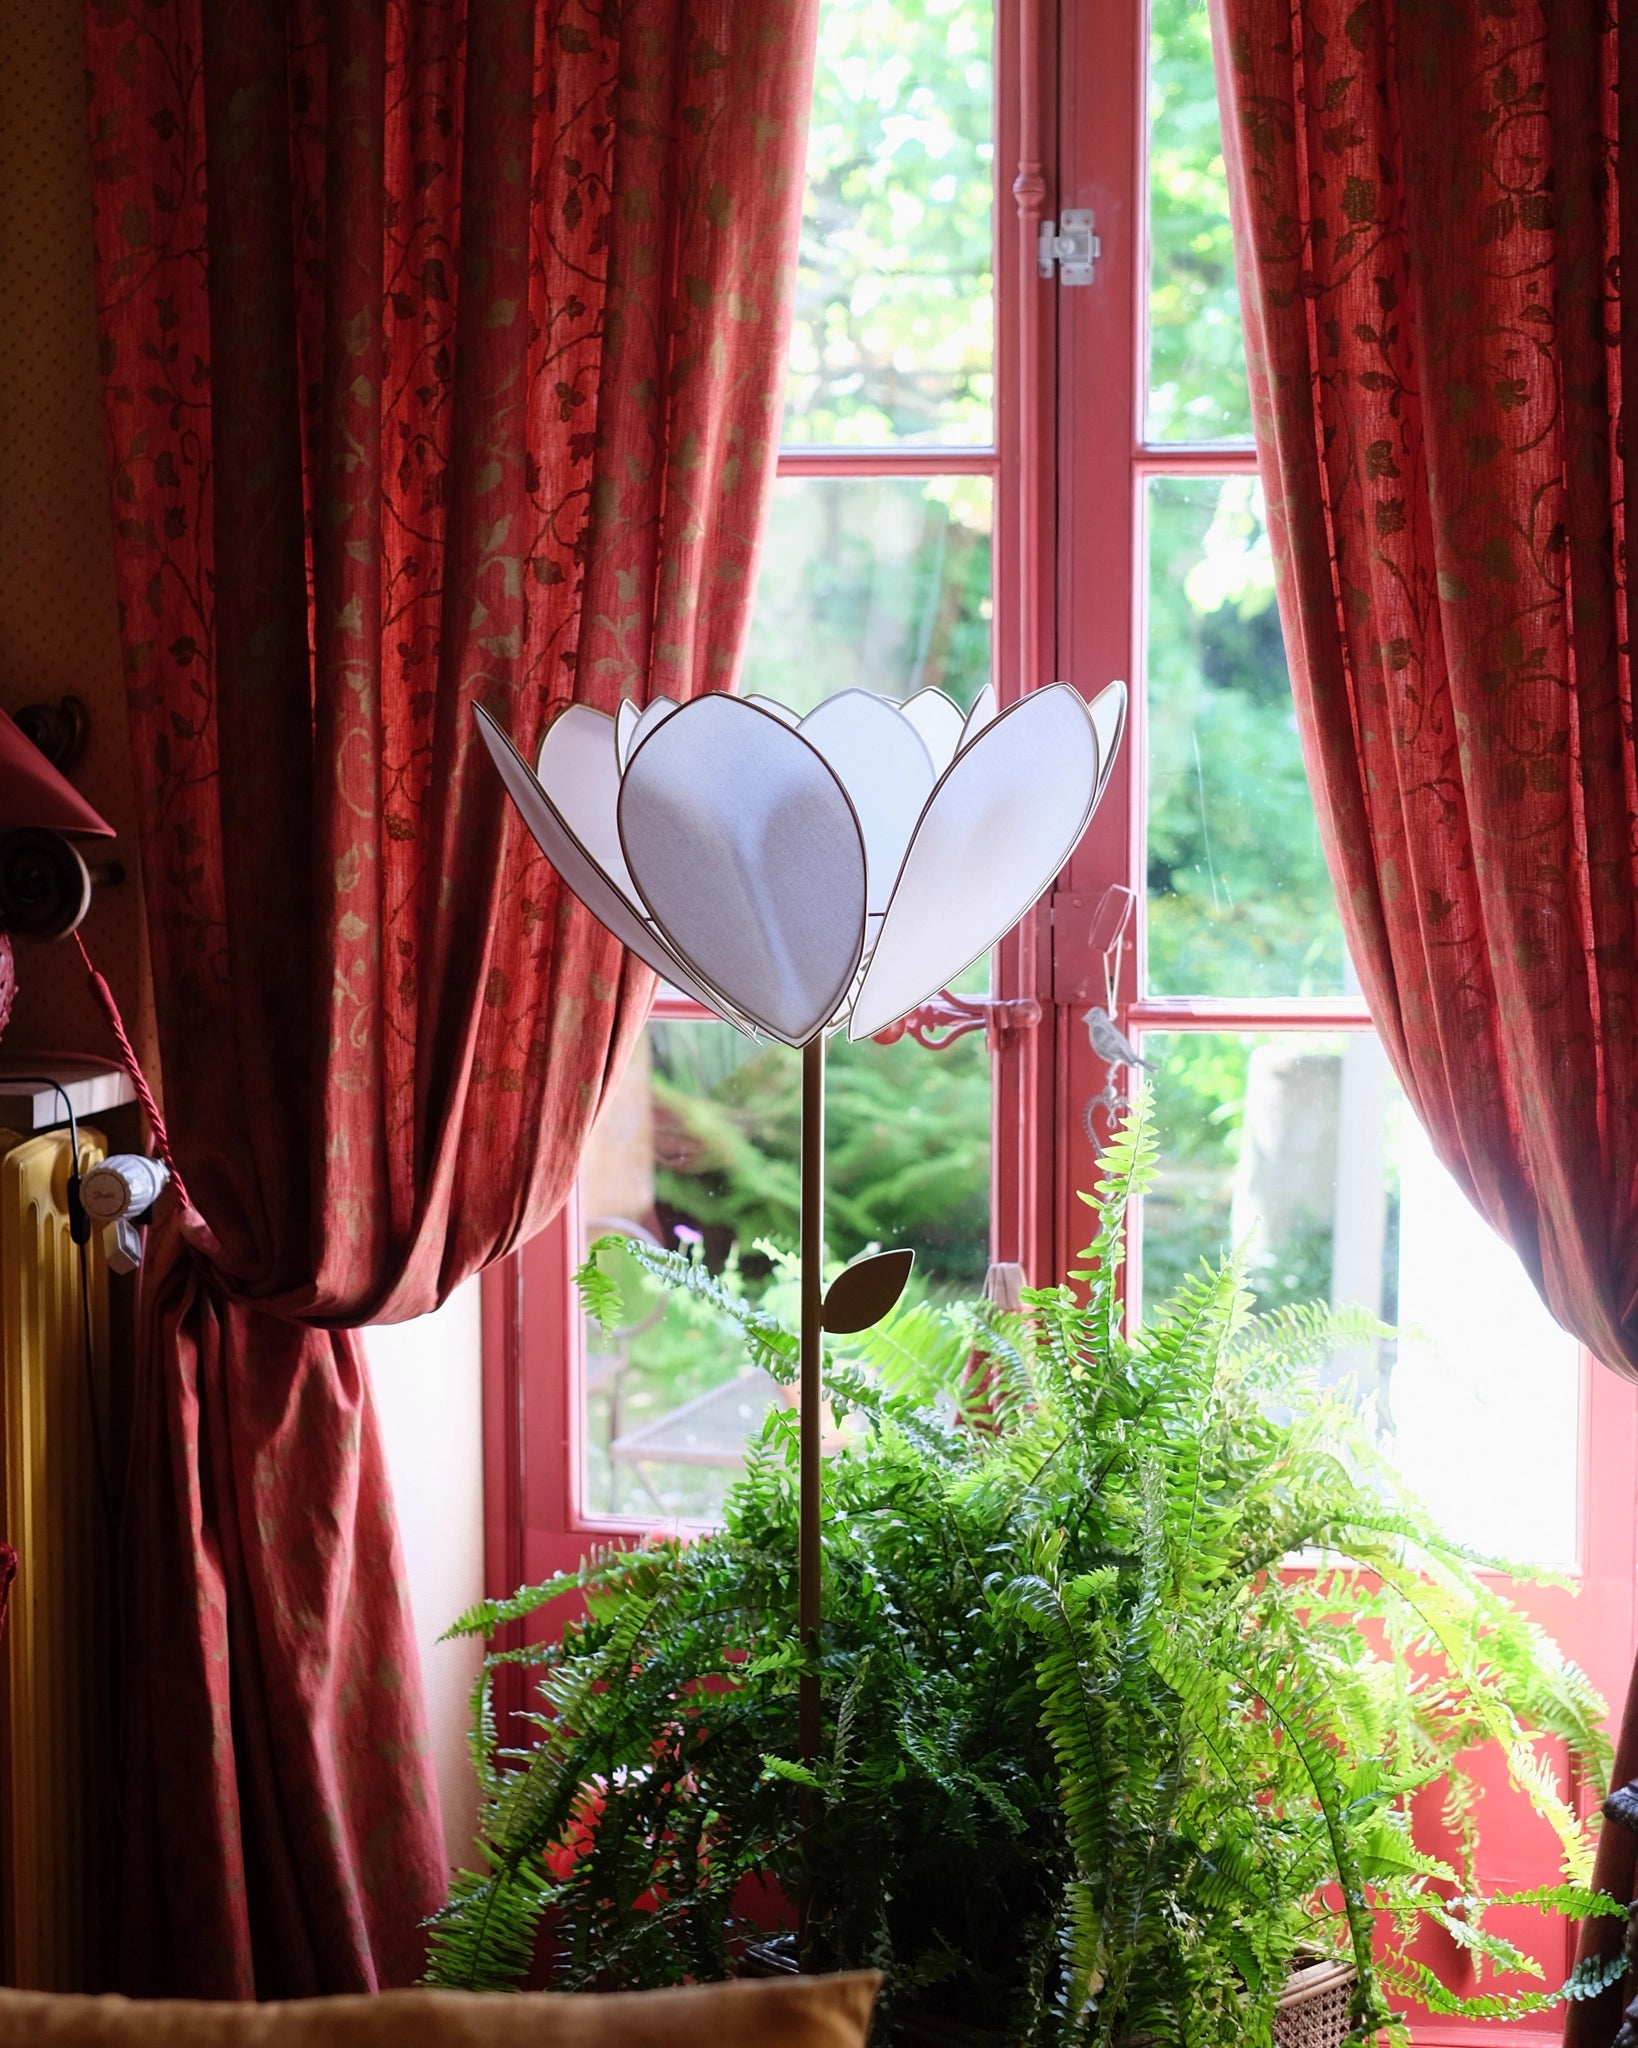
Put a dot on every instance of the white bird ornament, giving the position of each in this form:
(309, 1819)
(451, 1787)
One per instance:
(1110, 1043)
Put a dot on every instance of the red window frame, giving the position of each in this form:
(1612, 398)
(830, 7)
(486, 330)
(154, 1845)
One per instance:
(1070, 468)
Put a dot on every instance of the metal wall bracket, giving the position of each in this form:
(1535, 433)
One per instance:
(1071, 244)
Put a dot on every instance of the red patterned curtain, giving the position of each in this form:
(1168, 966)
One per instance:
(1436, 219)
(443, 343)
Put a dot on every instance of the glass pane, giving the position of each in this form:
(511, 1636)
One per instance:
(894, 334)
(1299, 1148)
(1239, 900)
(1197, 358)
(878, 583)
(699, 1148)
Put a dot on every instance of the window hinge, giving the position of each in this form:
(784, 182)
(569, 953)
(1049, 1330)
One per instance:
(1072, 245)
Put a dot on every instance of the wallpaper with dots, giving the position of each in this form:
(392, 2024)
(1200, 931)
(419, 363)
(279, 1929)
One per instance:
(58, 621)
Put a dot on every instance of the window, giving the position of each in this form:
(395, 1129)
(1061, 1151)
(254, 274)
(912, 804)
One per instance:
(989, 472)
(879, 570)
(1282, 1128)
(887, 564)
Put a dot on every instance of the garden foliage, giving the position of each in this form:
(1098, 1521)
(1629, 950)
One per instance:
(1098, 1760)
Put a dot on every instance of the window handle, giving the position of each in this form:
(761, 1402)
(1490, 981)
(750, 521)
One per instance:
(944, 1018)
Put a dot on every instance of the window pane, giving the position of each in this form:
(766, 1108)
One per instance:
(1197, 360)
(1299, 1148)
(893, 338)
(1239, 900)
(700, 1148)
(878, 583)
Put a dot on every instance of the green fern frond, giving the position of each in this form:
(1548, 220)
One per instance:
(769, 1344)
(790, 1773)
(1416, 1981)
(1576, 1902)
(1593, 1976)
(599, 1292)
(1126, 1169)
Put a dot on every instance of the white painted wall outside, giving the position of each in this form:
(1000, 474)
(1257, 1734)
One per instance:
(427, 1377)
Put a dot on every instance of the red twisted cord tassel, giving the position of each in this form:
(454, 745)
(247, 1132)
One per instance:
(116, 1023)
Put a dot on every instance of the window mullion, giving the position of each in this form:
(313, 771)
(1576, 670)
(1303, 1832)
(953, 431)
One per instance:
(1100, 340)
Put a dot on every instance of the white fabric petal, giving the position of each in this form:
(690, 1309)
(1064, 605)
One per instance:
(625, 724)
(882, 762)
(584, 878)
(1109, 723)
(579, 771)
(982, 714)
(750, 861)
(653, 715)
(774, 709)
(939, 721)
(1001, 823)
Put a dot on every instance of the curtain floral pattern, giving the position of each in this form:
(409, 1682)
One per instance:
(443, 342)
(1436, 218)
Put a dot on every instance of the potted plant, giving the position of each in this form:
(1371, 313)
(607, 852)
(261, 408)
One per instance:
(1100, 1763)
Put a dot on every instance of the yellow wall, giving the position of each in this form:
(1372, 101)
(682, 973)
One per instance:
(58, 618)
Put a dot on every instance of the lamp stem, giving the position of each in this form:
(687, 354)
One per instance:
(812, 1393)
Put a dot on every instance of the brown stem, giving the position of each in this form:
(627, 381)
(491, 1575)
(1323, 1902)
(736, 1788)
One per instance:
(812, 1351)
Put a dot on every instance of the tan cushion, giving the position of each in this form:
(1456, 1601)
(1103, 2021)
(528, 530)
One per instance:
(778, 2012)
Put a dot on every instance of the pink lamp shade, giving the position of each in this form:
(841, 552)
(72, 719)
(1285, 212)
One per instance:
(32, 793)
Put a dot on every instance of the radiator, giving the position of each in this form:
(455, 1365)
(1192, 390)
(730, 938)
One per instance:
(58, 1837)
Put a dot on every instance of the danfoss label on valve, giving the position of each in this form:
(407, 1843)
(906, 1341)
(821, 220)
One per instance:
(124, 1184)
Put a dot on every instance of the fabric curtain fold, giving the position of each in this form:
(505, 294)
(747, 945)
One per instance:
(443, 348)
(1436, 225)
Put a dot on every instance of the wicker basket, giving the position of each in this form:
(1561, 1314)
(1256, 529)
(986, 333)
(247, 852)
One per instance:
(1312, 2012)
(1313, 2008)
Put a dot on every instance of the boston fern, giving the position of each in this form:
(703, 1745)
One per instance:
(1134, 1658)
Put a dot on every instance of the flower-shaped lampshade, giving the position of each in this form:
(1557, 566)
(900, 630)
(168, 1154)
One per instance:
(796, 875)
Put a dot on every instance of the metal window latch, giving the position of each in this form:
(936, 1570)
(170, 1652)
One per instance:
(1073, 246)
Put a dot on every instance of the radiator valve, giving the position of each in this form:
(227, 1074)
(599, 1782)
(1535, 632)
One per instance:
(119, 1193)
(124, 1184)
